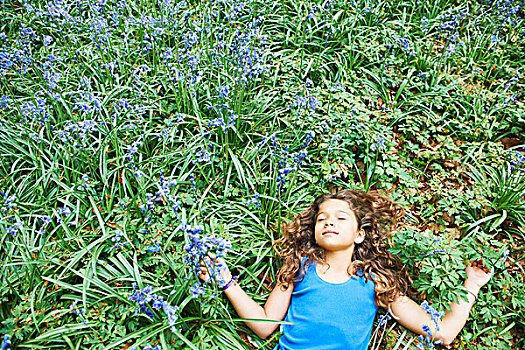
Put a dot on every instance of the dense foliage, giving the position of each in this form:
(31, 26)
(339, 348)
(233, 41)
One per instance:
(136, 136)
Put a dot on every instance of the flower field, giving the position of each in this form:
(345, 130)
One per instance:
(137, 136)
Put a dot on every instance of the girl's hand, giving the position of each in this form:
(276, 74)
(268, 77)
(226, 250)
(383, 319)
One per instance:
(218, 265)
(477, 274)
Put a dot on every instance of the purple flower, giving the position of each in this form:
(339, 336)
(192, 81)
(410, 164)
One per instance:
(254, 200)
(5, 100)
(6, 341)
(383, 320)
(133, 148)
(158, 302)
(198, 247)
(434, 314)
(73, 307)
(222, 91)
(309, 137)
(46, 219)
(117, 236)
(139, 174)
(427, 330)
(196, 290)
(155, 248)
(64, 211)
(202, 156)
(10, 201)
(424, 24)
(171, 313)
(142, 298)
(149, 347)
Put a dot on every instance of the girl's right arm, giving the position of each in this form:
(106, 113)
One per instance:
(274, 309)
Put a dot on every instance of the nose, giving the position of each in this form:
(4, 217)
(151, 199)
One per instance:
(328, 223)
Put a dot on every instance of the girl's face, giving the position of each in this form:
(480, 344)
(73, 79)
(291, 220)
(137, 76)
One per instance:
(336, 226)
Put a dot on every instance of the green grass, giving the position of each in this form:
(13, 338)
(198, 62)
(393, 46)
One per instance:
(421, 100)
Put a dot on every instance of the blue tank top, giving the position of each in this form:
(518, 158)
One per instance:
(328, 316)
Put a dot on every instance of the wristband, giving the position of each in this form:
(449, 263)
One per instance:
(229, 284)
(473, 294)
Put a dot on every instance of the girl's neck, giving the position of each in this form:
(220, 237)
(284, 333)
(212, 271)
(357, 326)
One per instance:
(338, 261)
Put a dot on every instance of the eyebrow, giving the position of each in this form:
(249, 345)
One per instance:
(339, 211)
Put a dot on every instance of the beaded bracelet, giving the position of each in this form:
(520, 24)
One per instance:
(229, 284)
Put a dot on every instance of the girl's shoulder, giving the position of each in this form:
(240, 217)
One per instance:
(305, 266)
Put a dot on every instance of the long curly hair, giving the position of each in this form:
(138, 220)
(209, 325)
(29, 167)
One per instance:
(377, 216)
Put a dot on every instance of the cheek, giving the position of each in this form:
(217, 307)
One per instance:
(316, 232)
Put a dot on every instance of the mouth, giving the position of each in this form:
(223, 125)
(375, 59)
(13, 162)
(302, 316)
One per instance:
(329, 233)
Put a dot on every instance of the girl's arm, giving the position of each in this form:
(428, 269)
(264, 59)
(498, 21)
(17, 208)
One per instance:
(274, 309)
(412, 316)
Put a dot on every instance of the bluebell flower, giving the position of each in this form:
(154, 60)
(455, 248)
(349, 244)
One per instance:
(406, 45)
(254, 200)
(193, 182)
(517, 160)
(424, 24)
(4, 101)
(426, 342)
(309, 137)
(117, 236)
(222, 91)
(434, 314)
(73, 307)
(46, 219)
(171, 314)
(155, 248)
(139, 174)
(202, 156)
(427, 330)
(383, 320)
(10, 201)
(6, 341)
(64, 211)
(158, 302)
(380, 144)
(197, 248)
(197, 290)
(149, 347)
(143, 298)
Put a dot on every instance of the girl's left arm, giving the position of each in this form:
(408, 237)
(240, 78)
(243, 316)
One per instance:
(412, 316)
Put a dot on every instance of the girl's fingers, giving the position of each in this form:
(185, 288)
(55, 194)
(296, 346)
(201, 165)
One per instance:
(203, 274)
(212, 259)
(478, 264)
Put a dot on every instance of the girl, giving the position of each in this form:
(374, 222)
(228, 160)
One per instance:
(336, 272)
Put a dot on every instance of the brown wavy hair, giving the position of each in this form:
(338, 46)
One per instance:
(377, 216)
